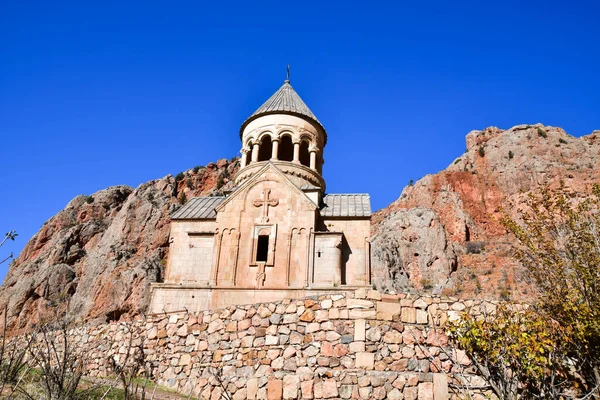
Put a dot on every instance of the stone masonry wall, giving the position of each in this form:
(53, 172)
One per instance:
(365, 345)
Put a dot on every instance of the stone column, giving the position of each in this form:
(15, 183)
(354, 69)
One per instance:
(244, 157)
(275, 152)
(255, 152)
(313, 159)
(296, 153)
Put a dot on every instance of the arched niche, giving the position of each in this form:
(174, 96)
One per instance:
(265, 148)
(304, 154)
(286, 148)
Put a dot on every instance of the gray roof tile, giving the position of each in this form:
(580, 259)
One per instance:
(284, 100)
(199, 208)
(346, 205)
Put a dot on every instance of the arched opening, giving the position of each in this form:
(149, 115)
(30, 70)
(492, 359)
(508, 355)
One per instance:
(249, 153)
(265, 149)
(286, 149)
(304, 154)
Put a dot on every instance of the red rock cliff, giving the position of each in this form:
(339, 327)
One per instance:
(444, 233)
(101, 252)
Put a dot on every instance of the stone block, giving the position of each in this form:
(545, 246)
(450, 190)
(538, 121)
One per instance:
(326, 389)
(440, 387)
(358, 303)
(275, 389)
(291, 384)
(373, 295)
(365, 360)
(362, 314)
(359, 329)
(422, 316)
(425, 391)
(386, 311)
(356, 347)
(409, 315)
(306, 388)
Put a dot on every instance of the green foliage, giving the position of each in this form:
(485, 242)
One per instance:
(179, 177)
(457, 161)
(89, 199)
(562, 141)
(561, 252)
(514, 350)
(197, 168)
(481, 151)
(510, 155)
(182, 198)
(552, 347)
(220, 182)
(189, 183)
(541, 133)
(411, 182)
(475, 247)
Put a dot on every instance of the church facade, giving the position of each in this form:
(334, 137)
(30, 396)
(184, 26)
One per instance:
(277, 234)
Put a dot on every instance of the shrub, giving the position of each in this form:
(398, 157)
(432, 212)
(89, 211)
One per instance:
(510, 155)
(220, 182)
(475, 247)
(426, 283)
(411, 182)
(182, 198)
(89, 199)
(196, 169)
(481, 151)
(542, 133)
(189, 183)
(563, 141)
(179, 177)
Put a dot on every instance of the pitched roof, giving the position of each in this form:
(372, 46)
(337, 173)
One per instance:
(286, 101)
(346, 205)
(199, 208)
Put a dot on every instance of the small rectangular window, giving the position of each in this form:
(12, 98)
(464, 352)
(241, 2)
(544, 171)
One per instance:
(262, 248)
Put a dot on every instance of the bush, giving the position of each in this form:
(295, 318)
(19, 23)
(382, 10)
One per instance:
(510, 155)
(563, 141)
(542, 133)
(182, 198)
(559, 249)
(89, 199)
(220, 182)
(475, 247)
(481, 151)
(411, 182)
(179, 177)
(197, 168)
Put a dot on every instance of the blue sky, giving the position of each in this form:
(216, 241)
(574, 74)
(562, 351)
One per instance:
(94, 95)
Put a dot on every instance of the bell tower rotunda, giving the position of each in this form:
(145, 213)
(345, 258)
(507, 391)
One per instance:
(285, 132)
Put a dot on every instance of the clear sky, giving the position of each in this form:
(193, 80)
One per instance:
(94, 94)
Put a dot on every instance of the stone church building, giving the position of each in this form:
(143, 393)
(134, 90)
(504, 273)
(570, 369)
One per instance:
(277, 234)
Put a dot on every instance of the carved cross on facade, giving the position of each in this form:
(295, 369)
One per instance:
(265, 202)
(261, 275)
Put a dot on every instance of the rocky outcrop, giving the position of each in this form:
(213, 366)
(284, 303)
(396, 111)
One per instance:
(101, 252)
(444, 232)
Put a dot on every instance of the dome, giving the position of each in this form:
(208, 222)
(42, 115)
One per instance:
(284, 101)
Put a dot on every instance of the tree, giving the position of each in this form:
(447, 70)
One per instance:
(11, 235)
(552, 348)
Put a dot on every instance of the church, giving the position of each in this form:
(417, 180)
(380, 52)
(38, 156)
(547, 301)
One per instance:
(277, 234)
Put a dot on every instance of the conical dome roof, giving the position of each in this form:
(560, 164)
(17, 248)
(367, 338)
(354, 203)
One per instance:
(284, 101)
